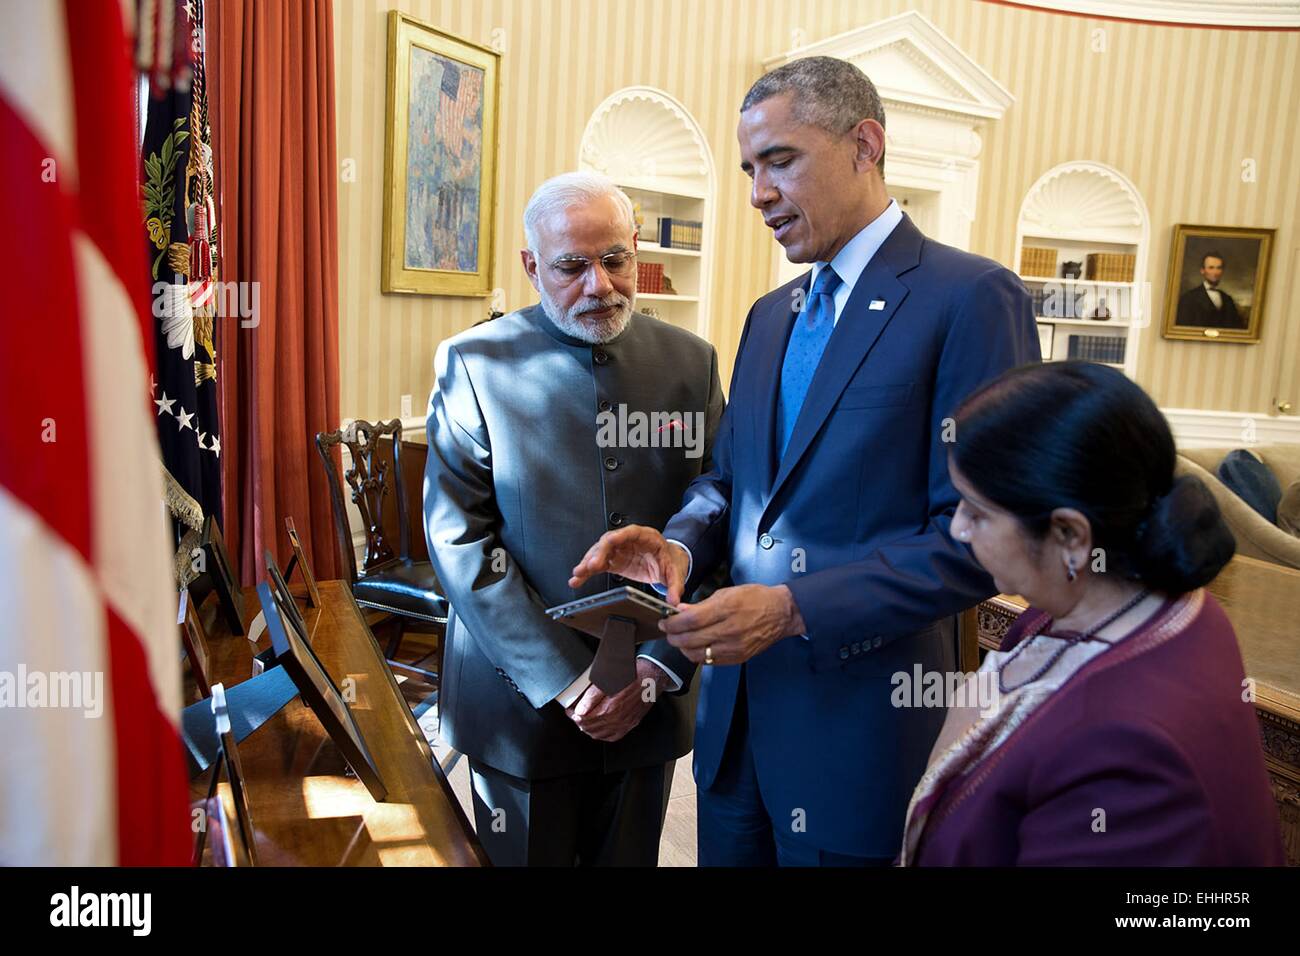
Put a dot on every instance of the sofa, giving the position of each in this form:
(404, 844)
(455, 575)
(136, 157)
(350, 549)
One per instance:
(1256, 537)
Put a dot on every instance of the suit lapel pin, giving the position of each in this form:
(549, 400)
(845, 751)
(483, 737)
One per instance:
(876, 305)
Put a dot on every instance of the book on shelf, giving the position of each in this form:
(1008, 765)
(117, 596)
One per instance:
(1097, 348)
(1037, 295)
(680, 233)
(1038, 261)
(650, 277)
(1110, 266)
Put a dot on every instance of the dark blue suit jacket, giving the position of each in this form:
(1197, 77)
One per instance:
(854, 519)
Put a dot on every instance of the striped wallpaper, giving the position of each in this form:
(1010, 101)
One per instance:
(1175, 109)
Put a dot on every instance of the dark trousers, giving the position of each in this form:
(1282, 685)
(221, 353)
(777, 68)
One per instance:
(586, 819)
(734, 827)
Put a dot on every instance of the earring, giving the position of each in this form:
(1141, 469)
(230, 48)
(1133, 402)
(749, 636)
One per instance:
(1070, 573)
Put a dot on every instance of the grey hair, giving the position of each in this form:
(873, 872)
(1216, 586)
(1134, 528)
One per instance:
(566, 189)
(829, 93)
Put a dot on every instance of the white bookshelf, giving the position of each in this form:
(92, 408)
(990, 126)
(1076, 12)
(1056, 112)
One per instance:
(1078, 209)
(650, 145)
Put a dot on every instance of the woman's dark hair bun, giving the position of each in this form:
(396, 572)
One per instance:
(1184, 542)
(1084, 436)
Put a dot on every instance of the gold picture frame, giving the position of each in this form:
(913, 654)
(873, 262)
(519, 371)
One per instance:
(1240, 276)
(447, 187)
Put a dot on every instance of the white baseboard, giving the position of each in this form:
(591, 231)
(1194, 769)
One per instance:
(1200, 428)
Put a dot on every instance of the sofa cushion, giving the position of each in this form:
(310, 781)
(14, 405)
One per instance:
(1283, 460)
(1288, 512)
(1252, 482)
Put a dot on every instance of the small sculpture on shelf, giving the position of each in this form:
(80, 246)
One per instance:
(668, 286)
(1072, 270)
(1102, 312)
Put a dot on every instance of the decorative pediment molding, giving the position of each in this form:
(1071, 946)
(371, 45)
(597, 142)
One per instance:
(914, 65)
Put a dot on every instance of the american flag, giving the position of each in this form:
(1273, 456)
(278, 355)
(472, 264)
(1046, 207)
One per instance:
(459, 97)
(85, 583)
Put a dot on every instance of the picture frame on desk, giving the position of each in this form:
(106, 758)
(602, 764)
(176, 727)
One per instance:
(232, 839)
(293, 651)
(299, 560)
(218, 575)
(440, 157)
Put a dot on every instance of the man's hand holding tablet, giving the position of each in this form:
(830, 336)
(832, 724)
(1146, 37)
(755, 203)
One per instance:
(729, 627)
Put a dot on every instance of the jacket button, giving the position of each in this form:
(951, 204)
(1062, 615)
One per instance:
(875, 642)
(616, 519)
(857, 647)
(611, 463)
(766, 542)
(600, 356)
(605, 405)
(844, 653)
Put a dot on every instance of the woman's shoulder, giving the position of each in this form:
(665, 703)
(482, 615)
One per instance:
(1183, 655)
(1167, 674)
(1194, 614)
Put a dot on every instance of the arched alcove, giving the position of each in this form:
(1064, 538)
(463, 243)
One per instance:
(648, 143)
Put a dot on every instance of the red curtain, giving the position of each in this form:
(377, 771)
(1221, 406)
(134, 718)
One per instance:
(271, 85)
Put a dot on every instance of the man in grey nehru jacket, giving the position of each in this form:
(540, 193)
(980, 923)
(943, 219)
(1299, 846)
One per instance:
(534, 452)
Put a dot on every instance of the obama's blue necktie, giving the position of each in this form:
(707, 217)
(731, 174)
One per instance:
(812, 330)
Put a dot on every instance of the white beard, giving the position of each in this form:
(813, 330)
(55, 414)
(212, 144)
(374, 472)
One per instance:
(595, 332)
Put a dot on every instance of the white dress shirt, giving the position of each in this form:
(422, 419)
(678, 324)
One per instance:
(1215, 295)
(851, 261)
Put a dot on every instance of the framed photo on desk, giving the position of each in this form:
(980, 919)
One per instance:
(288, 632)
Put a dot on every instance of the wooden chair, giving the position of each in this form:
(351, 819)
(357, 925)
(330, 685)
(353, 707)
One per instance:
(389, 580)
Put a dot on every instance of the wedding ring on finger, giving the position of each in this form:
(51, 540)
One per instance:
(708, 654)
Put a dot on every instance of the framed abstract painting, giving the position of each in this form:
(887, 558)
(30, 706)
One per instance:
(440, 150)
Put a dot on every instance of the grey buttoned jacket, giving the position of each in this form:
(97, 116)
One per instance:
(538, 444)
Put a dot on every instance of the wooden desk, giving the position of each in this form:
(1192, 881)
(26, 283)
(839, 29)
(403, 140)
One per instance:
(307, 808)
(1262, 600)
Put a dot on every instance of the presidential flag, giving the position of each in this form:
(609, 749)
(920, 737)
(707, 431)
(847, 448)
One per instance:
(180, 234)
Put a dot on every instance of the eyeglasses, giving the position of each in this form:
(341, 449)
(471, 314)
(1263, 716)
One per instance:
(616, 264)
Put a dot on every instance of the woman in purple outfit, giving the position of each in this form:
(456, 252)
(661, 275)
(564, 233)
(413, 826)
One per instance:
(1114, 727)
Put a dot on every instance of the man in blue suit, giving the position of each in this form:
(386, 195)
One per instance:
(829, 494)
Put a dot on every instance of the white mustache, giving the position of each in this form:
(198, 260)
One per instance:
(612, 301)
